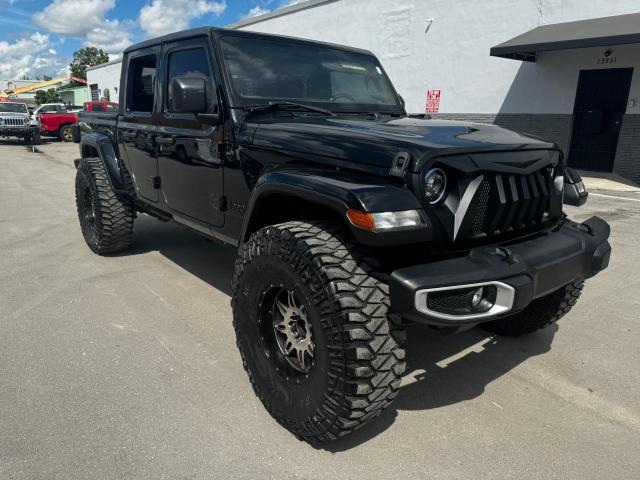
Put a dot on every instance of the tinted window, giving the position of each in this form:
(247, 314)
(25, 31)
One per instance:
(140, 94)
(261, 70)
(190, 63)
(13, 107)
(50, 108)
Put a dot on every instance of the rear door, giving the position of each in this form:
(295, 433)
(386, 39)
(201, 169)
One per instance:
(137, 128)
(188, 162)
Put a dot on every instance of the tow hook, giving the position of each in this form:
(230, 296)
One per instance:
(506, 254)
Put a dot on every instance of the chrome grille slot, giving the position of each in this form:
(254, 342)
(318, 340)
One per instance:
(14, 122)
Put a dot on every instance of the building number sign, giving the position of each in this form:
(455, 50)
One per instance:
(607, 59)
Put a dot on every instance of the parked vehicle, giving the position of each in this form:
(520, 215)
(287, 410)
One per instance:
(48, 108)
(351, 217)
(100, 107)
(58, 125)
(16, 122)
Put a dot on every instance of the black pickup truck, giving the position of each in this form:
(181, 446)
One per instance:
(351, 217)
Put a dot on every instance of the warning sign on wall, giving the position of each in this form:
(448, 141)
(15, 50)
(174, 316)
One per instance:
(433, 101)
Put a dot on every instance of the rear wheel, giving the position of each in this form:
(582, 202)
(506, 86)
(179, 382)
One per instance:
(106, 219)
(540, 313)
(313, 329)
(66, 133)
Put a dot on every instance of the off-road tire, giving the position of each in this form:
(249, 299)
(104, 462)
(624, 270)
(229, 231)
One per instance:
(359, 357)
(540, 313)
(112, 227)
(66, 133)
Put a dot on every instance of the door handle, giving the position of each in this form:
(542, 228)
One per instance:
(165, 140)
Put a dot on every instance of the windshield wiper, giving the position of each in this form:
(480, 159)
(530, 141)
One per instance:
(291, 106)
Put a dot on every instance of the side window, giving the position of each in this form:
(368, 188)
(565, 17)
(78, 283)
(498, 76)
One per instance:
(140, 82)
(191, 63)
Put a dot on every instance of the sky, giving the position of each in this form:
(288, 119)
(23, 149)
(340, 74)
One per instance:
(38, 37)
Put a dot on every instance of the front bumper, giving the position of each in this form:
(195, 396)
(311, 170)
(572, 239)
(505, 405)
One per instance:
(529, 269)
(11, 131)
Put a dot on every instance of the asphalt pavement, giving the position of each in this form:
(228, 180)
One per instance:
(126, 367)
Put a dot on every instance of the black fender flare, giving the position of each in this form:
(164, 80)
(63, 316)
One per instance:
(340, 191)
(102, 144)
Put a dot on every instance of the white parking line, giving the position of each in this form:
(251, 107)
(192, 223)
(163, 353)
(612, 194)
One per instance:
(617, 198)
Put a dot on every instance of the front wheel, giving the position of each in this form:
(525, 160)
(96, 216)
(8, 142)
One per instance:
(313, 328)
(540, 313)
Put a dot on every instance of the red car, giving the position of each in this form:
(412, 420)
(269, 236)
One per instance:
(100, 107)
(58, 125)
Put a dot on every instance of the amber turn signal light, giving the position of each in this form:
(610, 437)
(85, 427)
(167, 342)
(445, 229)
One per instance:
(361, 219)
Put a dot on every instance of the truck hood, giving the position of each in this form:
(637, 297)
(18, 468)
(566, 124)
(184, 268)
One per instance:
(376, 142)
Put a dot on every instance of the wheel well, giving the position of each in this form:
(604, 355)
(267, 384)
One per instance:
(89, 151)
(279, 208)
(63, 125)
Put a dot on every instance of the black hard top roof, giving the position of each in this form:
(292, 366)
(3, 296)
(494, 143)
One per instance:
(197, 32)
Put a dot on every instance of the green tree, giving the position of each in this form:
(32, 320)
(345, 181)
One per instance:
(47, 96)
(86, 57)
(106, 94)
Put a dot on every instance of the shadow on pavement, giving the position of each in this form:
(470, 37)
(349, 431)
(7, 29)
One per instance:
(210, 261)
(445, 370)
(441, 370)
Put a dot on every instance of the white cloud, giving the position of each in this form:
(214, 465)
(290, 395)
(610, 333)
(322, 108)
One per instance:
(32, 55)
(293, 2)
(165, 16)
(73, 17)
(86, 19)
(255, 11)
(112, 37)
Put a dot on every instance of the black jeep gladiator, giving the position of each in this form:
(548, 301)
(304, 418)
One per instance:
(351, 217)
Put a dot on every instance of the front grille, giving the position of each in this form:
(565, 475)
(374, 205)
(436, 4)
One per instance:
(14, 122)
(506, 203)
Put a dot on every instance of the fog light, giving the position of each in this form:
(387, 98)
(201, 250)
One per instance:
(435, 185)
(482, 299)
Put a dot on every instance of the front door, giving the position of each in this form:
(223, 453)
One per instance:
(601, 101)
(136, 130)
(189, 166)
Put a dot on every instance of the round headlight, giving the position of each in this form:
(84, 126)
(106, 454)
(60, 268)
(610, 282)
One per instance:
(435, 185)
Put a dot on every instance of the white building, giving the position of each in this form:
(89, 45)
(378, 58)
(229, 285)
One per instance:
(575, 83)
(516, 63)
(105, 76)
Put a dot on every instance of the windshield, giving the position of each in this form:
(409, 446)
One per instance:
(272, 70)
(13, 107)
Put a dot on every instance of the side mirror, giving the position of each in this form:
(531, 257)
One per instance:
(188, 95)
(575, 193)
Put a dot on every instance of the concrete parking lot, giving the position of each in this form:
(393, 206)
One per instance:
(126, 367)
